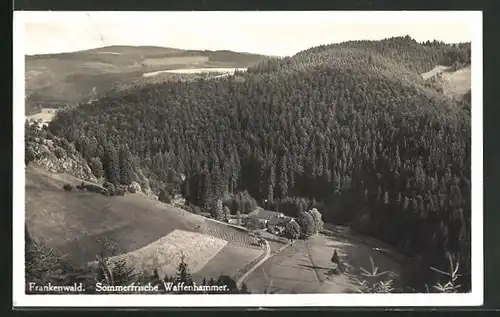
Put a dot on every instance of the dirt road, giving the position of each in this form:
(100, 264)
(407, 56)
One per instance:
(253, 268)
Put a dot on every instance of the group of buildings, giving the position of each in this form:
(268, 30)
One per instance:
(274, 222)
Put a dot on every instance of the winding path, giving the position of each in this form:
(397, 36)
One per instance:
(253, 268)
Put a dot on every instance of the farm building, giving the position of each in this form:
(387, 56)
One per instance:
(277, 225)
(260, 217)
(235, 221)
(255, 223)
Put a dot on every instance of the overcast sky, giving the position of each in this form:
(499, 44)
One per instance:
(271, 33)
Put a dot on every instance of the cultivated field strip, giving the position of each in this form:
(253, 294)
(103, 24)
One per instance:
(164, 254)
(228, 233)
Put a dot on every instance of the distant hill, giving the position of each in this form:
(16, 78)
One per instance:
(57, 80)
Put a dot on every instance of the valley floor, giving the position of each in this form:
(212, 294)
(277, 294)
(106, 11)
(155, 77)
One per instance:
(305, 267)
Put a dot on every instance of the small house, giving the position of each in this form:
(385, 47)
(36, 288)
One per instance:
(255, 223)
(260, 217)
(277, 225)
(234, 221)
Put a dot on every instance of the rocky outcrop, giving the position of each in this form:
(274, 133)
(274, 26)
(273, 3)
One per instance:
(136, 188)
(55, 158)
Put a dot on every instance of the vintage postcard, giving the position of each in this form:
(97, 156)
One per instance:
(251, 159)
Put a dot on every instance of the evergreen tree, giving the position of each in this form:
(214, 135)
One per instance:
(307, 225)
(183, 275)
(292, 230)
(125, 165)
(283, 177)
(96, 166)
(318, 222)
(111, 164)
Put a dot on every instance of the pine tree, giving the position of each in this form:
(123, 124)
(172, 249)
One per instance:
(272, 180)
(111, 164)
(183, 275)
(125, 165)
(306, 223)
(283, 177)
(318, 222)
(96, 166)
(217, 209)
(207, 197)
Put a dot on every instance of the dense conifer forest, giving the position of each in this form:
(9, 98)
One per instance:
(349, 128)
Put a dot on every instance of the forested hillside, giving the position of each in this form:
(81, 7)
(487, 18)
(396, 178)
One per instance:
(350, 128)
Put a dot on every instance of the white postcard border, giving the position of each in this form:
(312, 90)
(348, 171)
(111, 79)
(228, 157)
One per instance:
(475, 298)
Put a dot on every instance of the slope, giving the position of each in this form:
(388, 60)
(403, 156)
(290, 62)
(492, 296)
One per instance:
(81, 225)
(56, 80)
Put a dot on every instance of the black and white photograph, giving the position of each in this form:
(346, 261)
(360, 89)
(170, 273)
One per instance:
(247, 158)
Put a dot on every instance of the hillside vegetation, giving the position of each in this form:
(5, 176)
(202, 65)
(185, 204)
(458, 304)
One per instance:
(59, 80)
(148, 234)
(349, 128)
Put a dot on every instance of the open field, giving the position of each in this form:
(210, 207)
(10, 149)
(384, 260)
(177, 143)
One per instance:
(45, 116)
(239, 237)
(164, 254)
(227, 70)
(454, 83)
(305, 267)
(165, 61)
(113, 53)
(223, 262)
(458, 82)
(435, 71)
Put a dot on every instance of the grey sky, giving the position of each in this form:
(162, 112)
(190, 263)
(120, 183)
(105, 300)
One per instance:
(272, 33)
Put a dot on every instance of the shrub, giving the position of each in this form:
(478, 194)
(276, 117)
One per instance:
(59, 152)
(81, 186)
(120, 191)
(96, 167)
(192, 209)
(372, 282)
(164, 197)
(292, 230)
(134, 187)
(29, 153)
(226, 212)
(217, 210)
(451, 285)
(318, 222)
(96, 189)
(110, 187)
(307, 225)
(68, 187)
